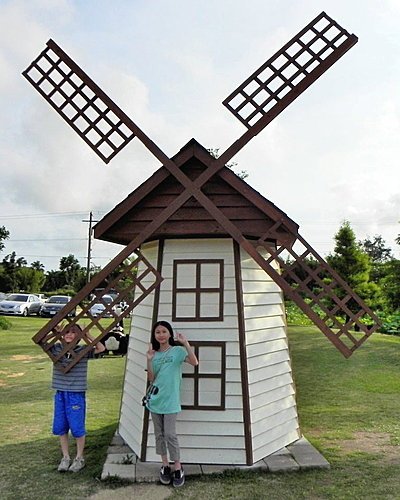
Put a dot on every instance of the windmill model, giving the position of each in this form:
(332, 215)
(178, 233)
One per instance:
(203, 248)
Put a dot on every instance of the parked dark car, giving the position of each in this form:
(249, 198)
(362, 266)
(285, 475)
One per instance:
(54, 304)
(21, 304)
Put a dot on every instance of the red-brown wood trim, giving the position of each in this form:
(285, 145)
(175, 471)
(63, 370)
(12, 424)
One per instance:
(196, 376)
(146, 418)
(193, 148)
(197, 290)
(243, 355)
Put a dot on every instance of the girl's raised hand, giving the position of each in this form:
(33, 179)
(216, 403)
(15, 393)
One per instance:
(181, 338)
(150, 352)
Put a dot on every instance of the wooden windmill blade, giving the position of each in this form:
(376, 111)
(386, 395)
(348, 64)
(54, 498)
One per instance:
(83, 105)
(286, 75)
(308, 280)
(135, 276)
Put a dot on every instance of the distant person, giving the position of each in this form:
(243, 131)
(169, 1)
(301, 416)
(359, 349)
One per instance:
(70, 398)
(164, 370)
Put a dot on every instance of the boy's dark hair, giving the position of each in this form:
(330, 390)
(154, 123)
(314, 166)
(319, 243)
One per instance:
(75, 328)
(155, 344)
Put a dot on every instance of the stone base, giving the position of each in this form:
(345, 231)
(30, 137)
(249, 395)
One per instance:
(122, 462)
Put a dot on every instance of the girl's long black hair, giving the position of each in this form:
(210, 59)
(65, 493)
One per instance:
(154, 342)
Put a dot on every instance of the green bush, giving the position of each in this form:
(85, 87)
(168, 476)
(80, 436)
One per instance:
(391, 324)
(4, 324)
(295, 316)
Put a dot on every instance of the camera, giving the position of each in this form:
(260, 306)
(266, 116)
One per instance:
(152, 390)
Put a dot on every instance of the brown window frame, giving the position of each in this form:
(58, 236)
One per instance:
(197, 375)
(198, 290)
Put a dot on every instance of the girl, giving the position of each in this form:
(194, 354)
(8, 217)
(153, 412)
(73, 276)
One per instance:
(164, 369)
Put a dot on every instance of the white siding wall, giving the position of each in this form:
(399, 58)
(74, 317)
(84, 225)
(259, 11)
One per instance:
(208, 436)
(273, 412)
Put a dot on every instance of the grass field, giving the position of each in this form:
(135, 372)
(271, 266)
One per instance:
(349, 410)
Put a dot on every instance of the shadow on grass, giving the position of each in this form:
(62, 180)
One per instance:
(29, 470)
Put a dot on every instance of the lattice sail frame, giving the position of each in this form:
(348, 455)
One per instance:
(79, 100)
(126, 284)
(303, 59)
(320, 292)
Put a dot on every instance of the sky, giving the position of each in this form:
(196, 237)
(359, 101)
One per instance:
(331, 156)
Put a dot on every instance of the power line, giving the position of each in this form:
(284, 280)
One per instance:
(58, 256)
(47, 239)
(49, 214)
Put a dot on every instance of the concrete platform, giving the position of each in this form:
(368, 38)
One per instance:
(122, 462)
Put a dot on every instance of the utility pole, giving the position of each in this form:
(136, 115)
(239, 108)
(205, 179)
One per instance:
(89, 249)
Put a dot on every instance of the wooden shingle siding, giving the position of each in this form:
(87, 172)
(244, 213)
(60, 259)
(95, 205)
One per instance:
(273, 410)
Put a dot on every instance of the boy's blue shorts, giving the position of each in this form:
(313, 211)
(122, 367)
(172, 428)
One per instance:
(69, 413)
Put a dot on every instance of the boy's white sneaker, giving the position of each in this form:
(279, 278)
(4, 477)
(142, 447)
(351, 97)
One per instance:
(77, 465)
(64, 464)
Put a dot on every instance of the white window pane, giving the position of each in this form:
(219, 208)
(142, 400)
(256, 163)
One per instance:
(210, 275)
(185, 305)
(209, 305)
(210, 359)
(187, 368)
(210, 392)
(209, 353)
(187, 391)
(210, 367)
(186, 275)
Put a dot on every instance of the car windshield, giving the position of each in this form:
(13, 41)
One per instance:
(17, 298)
(58, 300)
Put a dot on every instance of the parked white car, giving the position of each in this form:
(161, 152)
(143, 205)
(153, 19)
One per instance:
(21, 304)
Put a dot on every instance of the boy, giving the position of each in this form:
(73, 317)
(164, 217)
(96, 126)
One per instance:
(70, 399)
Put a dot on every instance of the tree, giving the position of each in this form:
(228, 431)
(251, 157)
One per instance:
(72, 271)
(379, 254)
(391, 284)
(30, 280)
(243, 174)
(376, 249)
(4, 235)
(37, 265)
(354, 266)
(54, 280)
(11, 265)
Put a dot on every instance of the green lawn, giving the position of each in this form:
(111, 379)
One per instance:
(349, 410)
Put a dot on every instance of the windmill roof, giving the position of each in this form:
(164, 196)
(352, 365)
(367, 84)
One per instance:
(246, 208)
